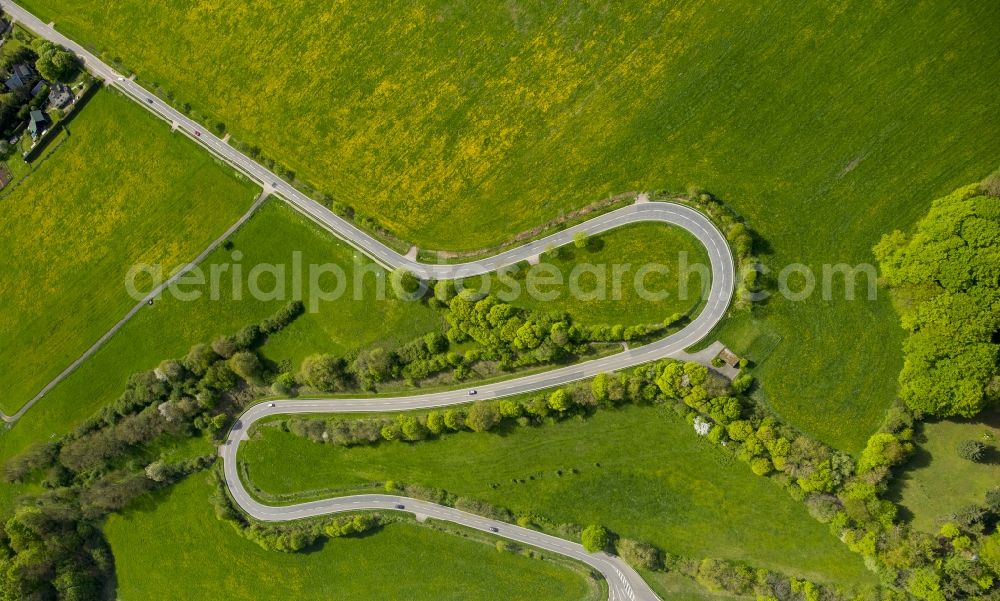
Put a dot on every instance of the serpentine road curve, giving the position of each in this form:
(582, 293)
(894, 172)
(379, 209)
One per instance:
(623, 582)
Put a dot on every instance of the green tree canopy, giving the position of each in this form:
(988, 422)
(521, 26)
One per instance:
(595, 538)
(55, 63)
(945, 279)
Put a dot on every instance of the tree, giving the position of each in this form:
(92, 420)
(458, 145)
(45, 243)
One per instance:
(435, 422)
(375, 365)
(55, 63)
(412, 428)
(972, 450)
(560, 400)
(404, 283)
(444, 291)
(247, 337)
(580, 240)
(454, 419)
(325, 372)
(436, 342)
(224, 346)
(483, 417)
(284, 384)
(883, 450)
(599, 387)
(246, 365)
(511, 409)
(742, 382)
(595, 538)
(199, 359)
(170, 370)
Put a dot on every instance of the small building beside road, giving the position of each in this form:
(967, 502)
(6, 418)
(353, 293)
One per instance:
(729, 358)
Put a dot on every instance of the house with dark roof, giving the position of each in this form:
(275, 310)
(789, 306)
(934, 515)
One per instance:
(60, 96)
(35, 91)
(37, 124)
(20, 76)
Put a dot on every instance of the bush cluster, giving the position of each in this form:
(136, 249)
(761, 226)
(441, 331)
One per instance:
(51, 548)
(289, 537)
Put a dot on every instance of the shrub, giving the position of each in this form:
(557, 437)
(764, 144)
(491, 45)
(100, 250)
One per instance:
(972, 450)
(325, 372)
(991, 185)
(595, 538)
(639, 554)
(282, 318)
(993, 499)
(742, 383)
(284, 384)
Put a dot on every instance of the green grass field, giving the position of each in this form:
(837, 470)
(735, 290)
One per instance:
(120, 190)
(634, 246)
(937, 481)
(641, 472)
(173, 547)
(171, 326)
(826, 125)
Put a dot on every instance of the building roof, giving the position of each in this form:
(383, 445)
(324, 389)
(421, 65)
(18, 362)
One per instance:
(14, 82)
(20, 75)
(38, 119)
(60, 96)
(35, 91)
(23, 71)
(729, 357)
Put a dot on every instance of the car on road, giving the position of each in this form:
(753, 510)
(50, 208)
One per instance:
(149, 100)
(197, 133)
(400, 506)
(473, 392)
(121, 79)
(494, 529)
(270, 404)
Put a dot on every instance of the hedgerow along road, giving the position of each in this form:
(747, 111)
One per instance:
(623, 581)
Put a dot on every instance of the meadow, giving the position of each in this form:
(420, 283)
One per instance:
(826, 125)
(638, 470)
(173, 547)
(937, 481)
(169, 327)
(120, 190)
(634, 246)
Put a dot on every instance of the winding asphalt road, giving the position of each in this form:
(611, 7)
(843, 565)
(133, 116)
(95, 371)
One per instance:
(624, 583)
